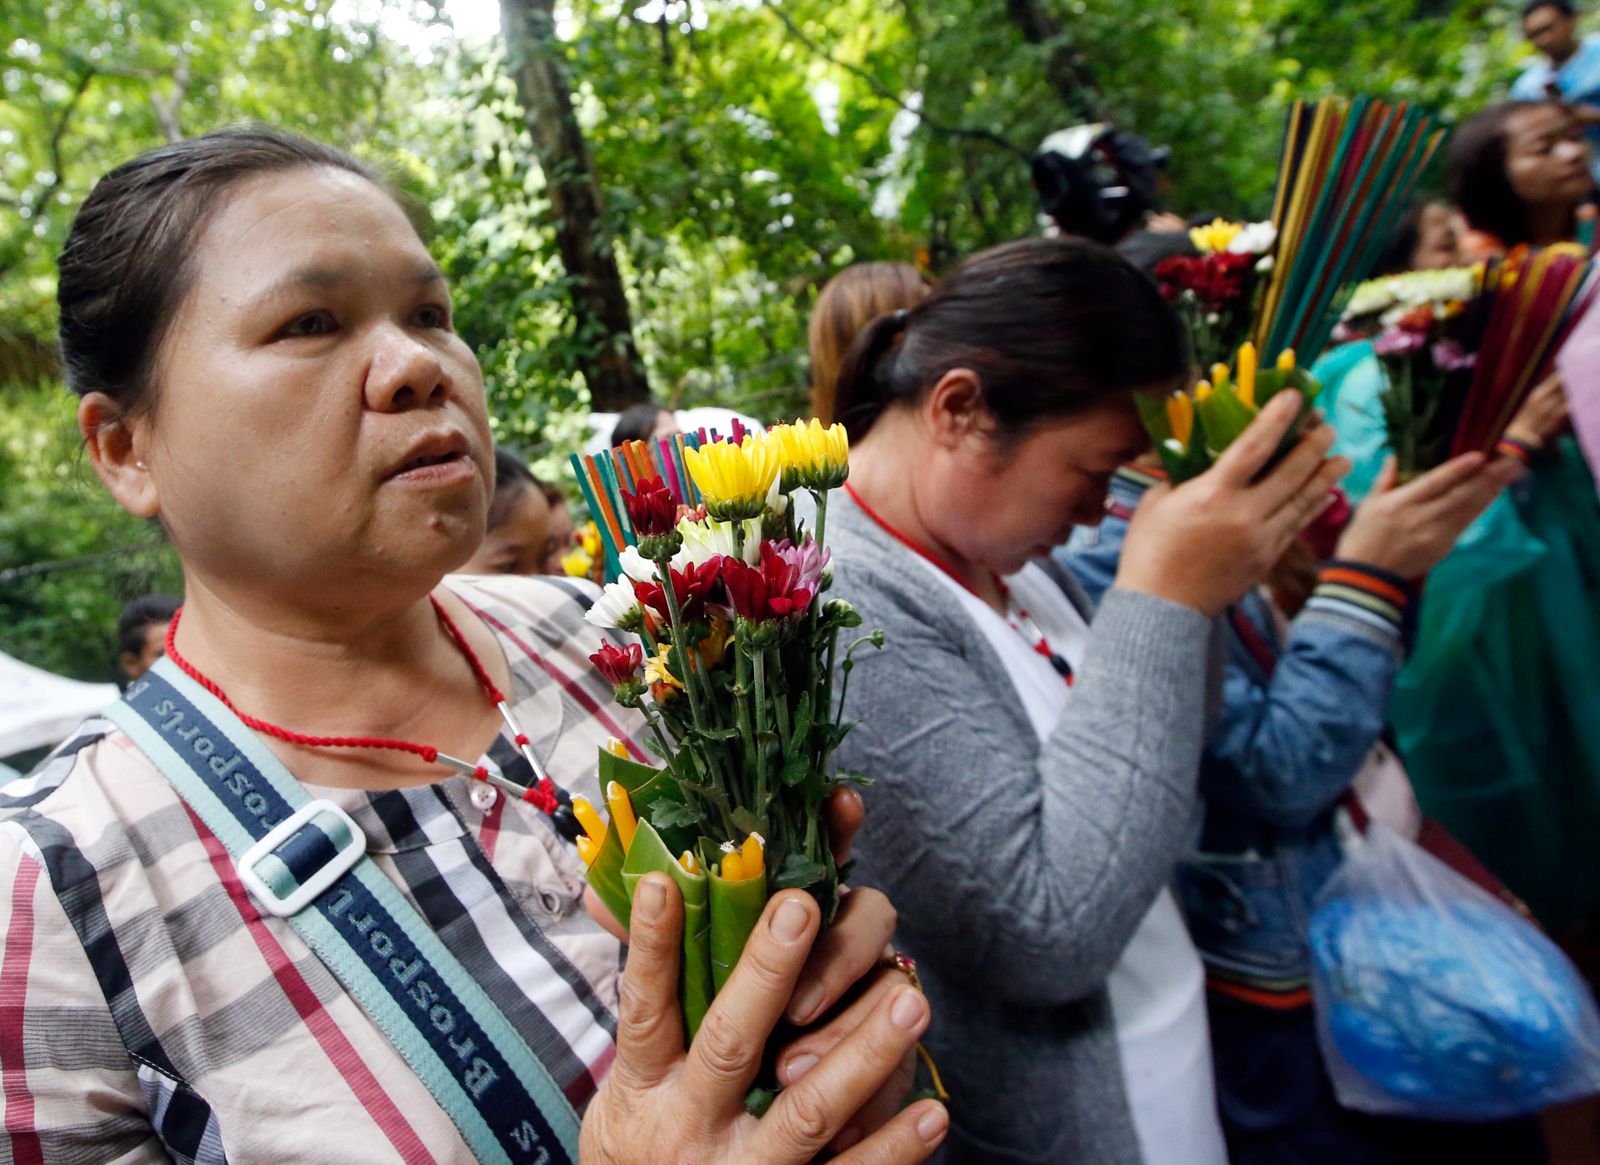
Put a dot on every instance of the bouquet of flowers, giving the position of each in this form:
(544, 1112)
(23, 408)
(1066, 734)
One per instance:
(1191, 429)
(1346, 174)
(1213, 291)
(722, 587)
(1419, 323)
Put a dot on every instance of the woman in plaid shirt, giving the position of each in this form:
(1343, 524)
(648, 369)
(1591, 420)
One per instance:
(266, 364)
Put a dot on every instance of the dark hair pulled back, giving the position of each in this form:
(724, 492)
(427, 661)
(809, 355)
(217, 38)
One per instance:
(1476, 175)
(127, 263)
(512, 478)
(1051, 327)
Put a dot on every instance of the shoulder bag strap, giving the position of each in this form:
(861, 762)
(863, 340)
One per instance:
(305, 861)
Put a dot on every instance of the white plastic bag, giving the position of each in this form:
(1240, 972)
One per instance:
(1435, 1000)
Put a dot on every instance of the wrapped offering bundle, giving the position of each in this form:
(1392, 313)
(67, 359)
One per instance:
(1191, 429)
(721, 586)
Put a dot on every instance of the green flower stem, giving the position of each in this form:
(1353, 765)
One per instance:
(741, 703)
(780, 702)
(692, 677)
(762, 707)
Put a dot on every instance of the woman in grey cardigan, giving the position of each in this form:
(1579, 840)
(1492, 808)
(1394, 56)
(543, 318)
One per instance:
(1034, 778)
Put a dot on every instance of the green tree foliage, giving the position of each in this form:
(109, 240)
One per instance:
(69, 556)
(747, 150)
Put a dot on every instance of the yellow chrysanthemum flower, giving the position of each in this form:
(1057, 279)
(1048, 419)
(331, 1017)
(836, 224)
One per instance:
(662, 682)
(810, 455)
(577, 564)
(734, 479)
(589, 539)
(1214, 239)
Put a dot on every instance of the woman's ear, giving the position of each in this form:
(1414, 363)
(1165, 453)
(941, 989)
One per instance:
(954, 408)
(114, 443)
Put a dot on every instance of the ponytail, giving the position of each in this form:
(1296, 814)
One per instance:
(865, 387)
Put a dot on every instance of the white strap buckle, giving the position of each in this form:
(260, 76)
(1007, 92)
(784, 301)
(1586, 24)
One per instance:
(310, 887)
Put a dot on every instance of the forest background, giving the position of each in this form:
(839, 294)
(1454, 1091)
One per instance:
(635, 199)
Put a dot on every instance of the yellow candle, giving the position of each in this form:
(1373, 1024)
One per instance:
(621, 814)
(1247, 374)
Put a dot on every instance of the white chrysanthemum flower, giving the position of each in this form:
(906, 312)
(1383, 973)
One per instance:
(616, 602)
(1256, 239)
(708, 539)
(636, 566)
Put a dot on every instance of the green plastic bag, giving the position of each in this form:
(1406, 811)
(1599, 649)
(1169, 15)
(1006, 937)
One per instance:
(1494, 712)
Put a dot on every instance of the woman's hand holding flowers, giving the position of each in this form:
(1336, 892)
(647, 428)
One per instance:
(1205, 543)
(1407, 529)
(660, 1104)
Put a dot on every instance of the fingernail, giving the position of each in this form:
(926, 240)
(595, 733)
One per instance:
(806, 1003)
(650, 900)
(798, 1067)
(790, 922)
(907, 1011)
(932, 1124)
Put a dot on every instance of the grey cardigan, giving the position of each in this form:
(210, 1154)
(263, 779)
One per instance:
(1020, 871)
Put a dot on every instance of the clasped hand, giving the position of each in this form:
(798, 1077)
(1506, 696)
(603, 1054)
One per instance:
(844, 1080)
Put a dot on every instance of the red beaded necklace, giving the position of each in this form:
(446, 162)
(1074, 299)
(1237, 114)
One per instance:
(542, 795)
(1018, 619)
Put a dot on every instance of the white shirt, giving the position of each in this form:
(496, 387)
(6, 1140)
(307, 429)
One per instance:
(1158, 986)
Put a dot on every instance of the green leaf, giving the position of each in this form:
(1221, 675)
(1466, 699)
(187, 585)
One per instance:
(666, 814)
(799, 873)
(796, 769)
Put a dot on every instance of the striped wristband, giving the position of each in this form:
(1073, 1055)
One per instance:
(1523, 451)
(1366, 593)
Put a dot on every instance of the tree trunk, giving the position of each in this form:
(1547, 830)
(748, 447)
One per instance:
(1068, 73)
(599, 304)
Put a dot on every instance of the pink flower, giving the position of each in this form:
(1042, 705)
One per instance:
(1399, 342)
(1449, 356)
(781, 586)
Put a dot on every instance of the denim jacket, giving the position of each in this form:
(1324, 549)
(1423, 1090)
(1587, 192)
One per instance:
(1301, 713)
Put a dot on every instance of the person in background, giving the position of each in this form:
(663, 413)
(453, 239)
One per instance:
(1519, 172)
(846, 304)
(561, 538)
(142, 633)
(641, 422)
(1427, 239)
(519, 539)
(1030, 798)
(1568, 68)
(1304, 701)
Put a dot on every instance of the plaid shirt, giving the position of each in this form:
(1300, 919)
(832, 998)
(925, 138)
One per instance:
(150, 1012)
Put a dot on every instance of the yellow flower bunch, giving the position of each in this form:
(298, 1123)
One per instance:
(1215, 238)
(734, 479)
(810, 455)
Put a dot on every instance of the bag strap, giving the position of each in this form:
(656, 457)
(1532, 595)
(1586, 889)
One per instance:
(306, 862)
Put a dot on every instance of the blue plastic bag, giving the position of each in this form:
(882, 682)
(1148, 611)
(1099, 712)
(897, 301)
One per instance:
(1434, 1000)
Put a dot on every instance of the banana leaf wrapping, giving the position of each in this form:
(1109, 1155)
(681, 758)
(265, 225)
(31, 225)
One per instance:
(719, 915)
(1191, 430)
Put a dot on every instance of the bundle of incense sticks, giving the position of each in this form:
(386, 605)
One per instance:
(603, 476)
(1346, 176)
(1530, 305)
